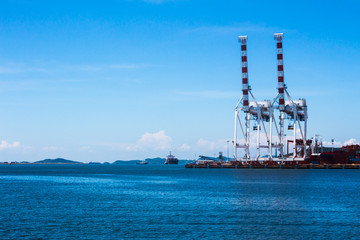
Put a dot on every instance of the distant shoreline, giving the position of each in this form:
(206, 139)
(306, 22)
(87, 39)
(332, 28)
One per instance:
(66, 161)
(19, 163)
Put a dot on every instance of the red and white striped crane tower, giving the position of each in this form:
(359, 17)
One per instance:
(259, 112)
(293, 110)
(244, 101)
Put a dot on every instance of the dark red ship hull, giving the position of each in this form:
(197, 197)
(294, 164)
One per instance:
(172, 161)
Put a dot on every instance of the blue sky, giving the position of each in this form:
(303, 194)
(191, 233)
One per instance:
(108, 80)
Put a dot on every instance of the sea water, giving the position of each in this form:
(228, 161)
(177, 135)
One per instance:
(171, 202)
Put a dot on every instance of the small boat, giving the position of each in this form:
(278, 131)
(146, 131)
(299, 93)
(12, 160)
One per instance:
(171, 159)
(142, 162)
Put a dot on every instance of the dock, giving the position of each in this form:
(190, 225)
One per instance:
(275, 166)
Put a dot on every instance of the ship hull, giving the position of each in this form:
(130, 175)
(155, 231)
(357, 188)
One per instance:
(171, 162)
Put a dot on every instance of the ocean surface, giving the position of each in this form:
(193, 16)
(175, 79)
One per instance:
(171, 202)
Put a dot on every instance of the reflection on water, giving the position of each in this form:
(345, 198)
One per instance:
(162, 202)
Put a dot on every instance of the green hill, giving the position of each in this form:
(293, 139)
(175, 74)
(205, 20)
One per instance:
(57, 160)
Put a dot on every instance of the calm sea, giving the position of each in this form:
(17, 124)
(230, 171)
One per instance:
(171, 202)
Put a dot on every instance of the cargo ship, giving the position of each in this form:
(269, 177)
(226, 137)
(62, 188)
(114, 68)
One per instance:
(349, 154)
(171, 159)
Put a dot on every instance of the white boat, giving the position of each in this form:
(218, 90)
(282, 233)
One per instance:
(142, 162)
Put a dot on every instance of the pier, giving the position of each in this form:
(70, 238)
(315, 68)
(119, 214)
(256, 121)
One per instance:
(274, 166)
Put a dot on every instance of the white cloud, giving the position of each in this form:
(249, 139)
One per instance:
(6, 145)
(158, 141)
(329, 144)
(351, 141)
(184, 147)
(154, 141)
(211, 145)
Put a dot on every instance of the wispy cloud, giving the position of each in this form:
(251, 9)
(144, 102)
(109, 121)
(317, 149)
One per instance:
(27, 68)
(207, 145)
(351, 141)
(295, 93)
(20, 69)
(156, 1)
(183, 147)
(154, 141)
(215, 94)
(52, 149)
(329, 144)
(263, 93)
(7, 145)
(86, 149)
(157, 141)
(92, 68)
(245, 27)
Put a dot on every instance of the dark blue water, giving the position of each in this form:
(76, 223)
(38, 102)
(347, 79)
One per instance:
(171, 202)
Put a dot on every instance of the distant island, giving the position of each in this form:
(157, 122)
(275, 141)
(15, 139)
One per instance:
(157, 160)
(57, 161)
